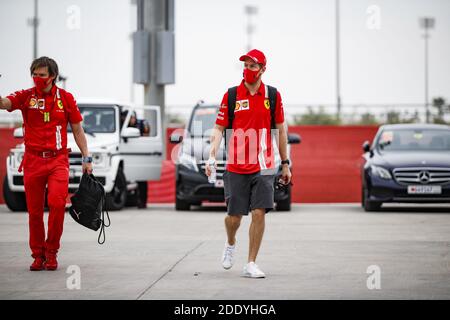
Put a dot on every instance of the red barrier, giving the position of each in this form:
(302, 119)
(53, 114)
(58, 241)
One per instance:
(325, 165)
(163, 191)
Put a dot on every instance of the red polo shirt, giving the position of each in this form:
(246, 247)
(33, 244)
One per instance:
(45, 117)
(250, 145)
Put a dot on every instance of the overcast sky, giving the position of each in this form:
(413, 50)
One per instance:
(379, 65)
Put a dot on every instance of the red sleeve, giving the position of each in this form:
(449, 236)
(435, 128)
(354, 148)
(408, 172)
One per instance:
(72, 108)
(279, 111)
(18, 99)
(222, 115)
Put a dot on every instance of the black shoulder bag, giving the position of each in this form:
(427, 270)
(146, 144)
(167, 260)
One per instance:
(89, 205)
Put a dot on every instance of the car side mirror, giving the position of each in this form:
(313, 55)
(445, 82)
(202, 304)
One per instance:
(176, 138)
(18, 132)
(294, 138)
(366, 146)
(131, 133)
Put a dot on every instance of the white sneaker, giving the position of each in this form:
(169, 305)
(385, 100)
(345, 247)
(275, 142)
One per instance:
(228, 256)
(251, 270)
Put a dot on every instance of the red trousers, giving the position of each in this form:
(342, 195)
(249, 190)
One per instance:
(38, 173)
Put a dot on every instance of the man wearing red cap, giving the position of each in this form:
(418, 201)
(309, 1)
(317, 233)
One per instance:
(46, 110)
(249, 175)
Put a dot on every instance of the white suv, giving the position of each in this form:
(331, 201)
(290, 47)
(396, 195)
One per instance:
(123, 155)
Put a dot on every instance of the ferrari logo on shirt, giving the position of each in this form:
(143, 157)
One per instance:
(46, 116)
(33, 103)
(267, 104)
(60, 105)
(242, 105)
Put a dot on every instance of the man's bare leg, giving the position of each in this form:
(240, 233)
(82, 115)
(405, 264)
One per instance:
(232, 224)
(256, 233)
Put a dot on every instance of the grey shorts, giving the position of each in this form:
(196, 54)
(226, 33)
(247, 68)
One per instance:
(245, 192)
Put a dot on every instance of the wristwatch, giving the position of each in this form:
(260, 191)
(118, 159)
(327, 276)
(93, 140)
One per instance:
(87, 159)
(211, 161)
(285, 162)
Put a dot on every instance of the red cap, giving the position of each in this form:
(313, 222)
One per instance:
(256, 56)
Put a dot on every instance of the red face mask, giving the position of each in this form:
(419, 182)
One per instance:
(250, 76)
(40, 83)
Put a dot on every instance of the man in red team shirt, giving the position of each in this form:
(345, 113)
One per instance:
(249, 175)
(46, 110)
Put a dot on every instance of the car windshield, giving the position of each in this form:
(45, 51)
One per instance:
(203, 121)
(414, 140)
(98, 118)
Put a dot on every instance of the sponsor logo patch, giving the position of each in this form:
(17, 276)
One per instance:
(41, 104)
(242, 105)
(33, 103)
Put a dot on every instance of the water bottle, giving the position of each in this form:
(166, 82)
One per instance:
(212, 176)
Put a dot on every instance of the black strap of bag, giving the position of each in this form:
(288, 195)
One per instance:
(232, 92)
(273, 104)
(103, 210)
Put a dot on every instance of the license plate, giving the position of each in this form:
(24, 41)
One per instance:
(424, 189)
(218, 184)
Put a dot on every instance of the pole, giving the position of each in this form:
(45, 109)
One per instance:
(427, 109)
(426, 23)
(338, 67)
(250, 11)
(35, 24)
(249, 34)
(153, 21)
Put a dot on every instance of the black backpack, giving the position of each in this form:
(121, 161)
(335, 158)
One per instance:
(232, 92)
(88, 205)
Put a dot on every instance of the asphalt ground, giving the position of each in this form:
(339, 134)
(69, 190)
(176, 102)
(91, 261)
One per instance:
(316, 251)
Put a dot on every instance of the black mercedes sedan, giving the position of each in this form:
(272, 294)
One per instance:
(406, 163)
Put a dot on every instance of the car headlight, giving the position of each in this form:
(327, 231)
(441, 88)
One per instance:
(99, 159)
(381, 172)
(188, 161)
(18, 157)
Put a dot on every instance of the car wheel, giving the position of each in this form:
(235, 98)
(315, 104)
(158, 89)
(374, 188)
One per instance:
(15, 201)
(117, 198)
(131, 199)
(363, 200)
(285, 205)
(182, 205)
(368, 205)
